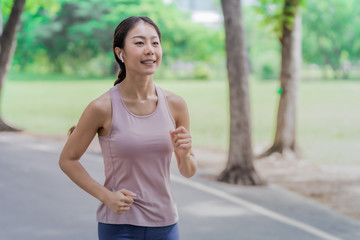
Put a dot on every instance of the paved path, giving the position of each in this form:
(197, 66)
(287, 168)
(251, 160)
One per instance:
(38, 202)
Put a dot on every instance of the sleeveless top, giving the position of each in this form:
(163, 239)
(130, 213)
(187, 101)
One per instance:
(137, 154)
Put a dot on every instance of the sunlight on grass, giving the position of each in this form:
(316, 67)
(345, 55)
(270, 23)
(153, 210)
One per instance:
(328, 117)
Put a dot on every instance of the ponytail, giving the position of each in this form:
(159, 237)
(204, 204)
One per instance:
(71, 130)
(122, 72)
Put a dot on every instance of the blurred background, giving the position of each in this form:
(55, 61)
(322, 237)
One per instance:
(64, 59)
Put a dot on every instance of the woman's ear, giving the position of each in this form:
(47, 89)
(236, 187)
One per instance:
(118, 52)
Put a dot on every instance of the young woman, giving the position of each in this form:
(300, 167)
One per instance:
(139, 126)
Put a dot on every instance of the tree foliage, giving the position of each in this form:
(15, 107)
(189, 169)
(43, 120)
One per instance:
(276, 15)
(331, 36)
(77, 38)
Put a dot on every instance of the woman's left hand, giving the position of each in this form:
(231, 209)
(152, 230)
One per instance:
(181, 140)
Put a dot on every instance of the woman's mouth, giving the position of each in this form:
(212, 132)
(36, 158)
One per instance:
(148, 61)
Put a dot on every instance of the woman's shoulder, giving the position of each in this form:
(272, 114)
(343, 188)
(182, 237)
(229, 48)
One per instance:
(175, 101)
(101, 105)
(178, 107)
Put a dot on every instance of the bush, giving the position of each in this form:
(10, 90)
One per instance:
(202, 71)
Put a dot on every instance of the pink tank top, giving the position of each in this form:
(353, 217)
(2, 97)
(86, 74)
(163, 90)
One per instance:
(137, 154)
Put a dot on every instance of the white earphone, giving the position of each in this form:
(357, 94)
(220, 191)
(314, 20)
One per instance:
(121, 58)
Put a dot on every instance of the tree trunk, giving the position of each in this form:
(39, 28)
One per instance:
(1, 22)
(240, 168)
(285, 136)
(6, 127)
(7, 48)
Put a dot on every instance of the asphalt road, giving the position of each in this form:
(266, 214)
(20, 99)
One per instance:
(38, 202)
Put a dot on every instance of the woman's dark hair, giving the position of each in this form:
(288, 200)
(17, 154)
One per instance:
(119, 39)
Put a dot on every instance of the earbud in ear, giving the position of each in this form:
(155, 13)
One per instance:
(121, 58)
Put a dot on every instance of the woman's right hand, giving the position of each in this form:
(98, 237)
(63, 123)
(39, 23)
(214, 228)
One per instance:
(119, 202)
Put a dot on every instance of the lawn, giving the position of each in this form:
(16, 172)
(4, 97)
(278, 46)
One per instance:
(328, 115)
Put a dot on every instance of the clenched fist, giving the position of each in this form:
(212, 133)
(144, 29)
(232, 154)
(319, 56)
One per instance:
(120, 202)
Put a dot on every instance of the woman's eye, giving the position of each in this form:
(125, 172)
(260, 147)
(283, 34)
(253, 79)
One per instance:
(156, 43)
(139, 43)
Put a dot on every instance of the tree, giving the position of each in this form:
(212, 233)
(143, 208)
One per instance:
(330, 37)
(29, 48)
(1, 22)
(84, 30)
(290, 39)
(7, 48)
(240, 168)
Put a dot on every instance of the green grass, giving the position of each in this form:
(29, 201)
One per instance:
(328, 115)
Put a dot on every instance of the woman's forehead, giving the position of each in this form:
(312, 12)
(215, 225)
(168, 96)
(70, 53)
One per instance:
(143, 29)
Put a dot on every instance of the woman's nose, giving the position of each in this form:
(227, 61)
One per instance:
(149, 50)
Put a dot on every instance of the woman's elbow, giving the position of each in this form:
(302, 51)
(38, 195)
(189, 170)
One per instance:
(62, 163)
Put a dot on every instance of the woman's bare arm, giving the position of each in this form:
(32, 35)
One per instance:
(94, 118)
(181, 137)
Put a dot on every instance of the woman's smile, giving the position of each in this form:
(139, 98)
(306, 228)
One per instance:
(148, 62)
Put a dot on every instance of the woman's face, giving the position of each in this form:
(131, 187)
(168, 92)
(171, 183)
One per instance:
(142, 50)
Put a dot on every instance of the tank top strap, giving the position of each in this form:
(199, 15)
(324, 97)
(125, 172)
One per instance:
(118, 107)
(161, 96)
(115, 95)
(163, 104)
(115, 102)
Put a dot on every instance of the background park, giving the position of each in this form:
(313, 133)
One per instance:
(62, 59)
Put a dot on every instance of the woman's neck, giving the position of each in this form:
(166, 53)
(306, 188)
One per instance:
(137, 87)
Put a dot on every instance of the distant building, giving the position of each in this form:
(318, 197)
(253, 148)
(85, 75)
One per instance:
(202, 11)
